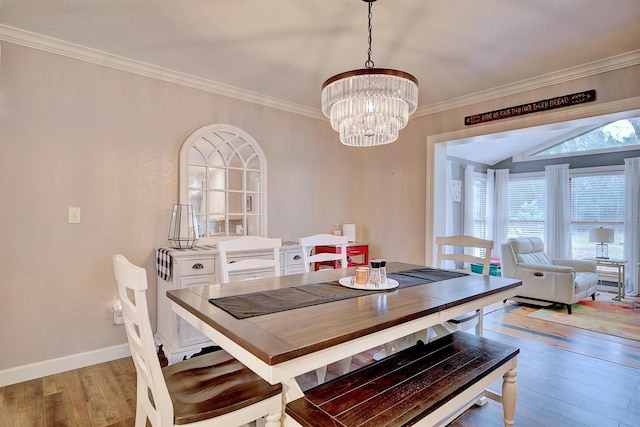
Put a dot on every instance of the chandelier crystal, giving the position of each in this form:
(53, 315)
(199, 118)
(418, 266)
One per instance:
(369, 106)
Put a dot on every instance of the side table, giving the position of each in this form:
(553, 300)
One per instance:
(616, 263)
(354, 250)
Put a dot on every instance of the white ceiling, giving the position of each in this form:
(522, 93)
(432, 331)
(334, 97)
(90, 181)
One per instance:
(285, 49)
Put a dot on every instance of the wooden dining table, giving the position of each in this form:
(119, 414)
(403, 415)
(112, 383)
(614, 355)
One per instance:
(291, 341)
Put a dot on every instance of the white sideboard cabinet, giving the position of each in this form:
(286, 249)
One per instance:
(198, 267)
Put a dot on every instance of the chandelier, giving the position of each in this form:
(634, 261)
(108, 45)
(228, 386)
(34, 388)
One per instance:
(369, 106)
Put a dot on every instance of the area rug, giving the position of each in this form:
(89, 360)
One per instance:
(618, 318)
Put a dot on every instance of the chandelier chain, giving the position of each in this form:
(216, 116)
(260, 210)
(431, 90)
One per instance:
(369, 63)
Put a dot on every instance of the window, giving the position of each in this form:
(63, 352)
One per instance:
(597, 200)
(618, 135)
(527, 201)
(222, 173)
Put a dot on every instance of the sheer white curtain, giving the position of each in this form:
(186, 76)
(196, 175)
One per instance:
(557, 222)
(632, 222)
(500, 205)
(468, 201)
(489, 207)
(448, 222)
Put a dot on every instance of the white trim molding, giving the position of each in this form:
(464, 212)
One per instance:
(625, 60)
(48, 44)
(59, 47)
(44, 368)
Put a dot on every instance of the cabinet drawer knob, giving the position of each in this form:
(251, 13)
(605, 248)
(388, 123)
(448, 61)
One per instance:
(198, 266)
(297, 257)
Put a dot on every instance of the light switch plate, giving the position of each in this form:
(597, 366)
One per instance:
(73, 215)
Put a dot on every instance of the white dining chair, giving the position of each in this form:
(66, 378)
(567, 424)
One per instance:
(252, 257)
(212, 390)
(309, 258)
(466, 254)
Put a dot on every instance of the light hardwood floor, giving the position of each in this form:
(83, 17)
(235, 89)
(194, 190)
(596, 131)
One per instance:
(566, 377)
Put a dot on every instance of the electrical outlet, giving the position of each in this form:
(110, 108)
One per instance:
(116, 309)
(118, 319)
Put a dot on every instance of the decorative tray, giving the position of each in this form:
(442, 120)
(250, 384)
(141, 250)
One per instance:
(350, 282)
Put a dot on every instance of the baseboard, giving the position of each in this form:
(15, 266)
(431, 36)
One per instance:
(62, 364)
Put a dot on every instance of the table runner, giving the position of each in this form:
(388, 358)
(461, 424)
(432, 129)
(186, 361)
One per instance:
(277, 300)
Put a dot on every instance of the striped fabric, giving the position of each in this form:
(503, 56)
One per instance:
(163, 263)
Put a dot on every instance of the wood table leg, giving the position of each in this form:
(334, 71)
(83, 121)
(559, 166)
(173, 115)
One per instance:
(509, 396)
(321, 373)
(273, 420)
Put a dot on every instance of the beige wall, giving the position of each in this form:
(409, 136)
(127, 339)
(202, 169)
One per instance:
(75, 133)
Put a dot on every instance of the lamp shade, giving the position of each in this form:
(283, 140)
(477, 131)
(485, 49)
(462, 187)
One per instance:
(369, 106)
(601, 235)
(183, 231)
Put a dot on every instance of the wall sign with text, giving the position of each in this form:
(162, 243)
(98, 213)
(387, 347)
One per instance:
(533, 107)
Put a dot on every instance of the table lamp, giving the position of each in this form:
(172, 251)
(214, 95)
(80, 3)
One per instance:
(602, 236)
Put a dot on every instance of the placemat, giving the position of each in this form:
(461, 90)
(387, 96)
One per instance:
(277, 300)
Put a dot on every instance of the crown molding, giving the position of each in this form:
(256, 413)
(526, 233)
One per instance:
(51, 45)
(597, 67)
(48, 44)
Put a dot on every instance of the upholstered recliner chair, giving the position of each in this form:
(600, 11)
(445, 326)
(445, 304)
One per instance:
(546, 280)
